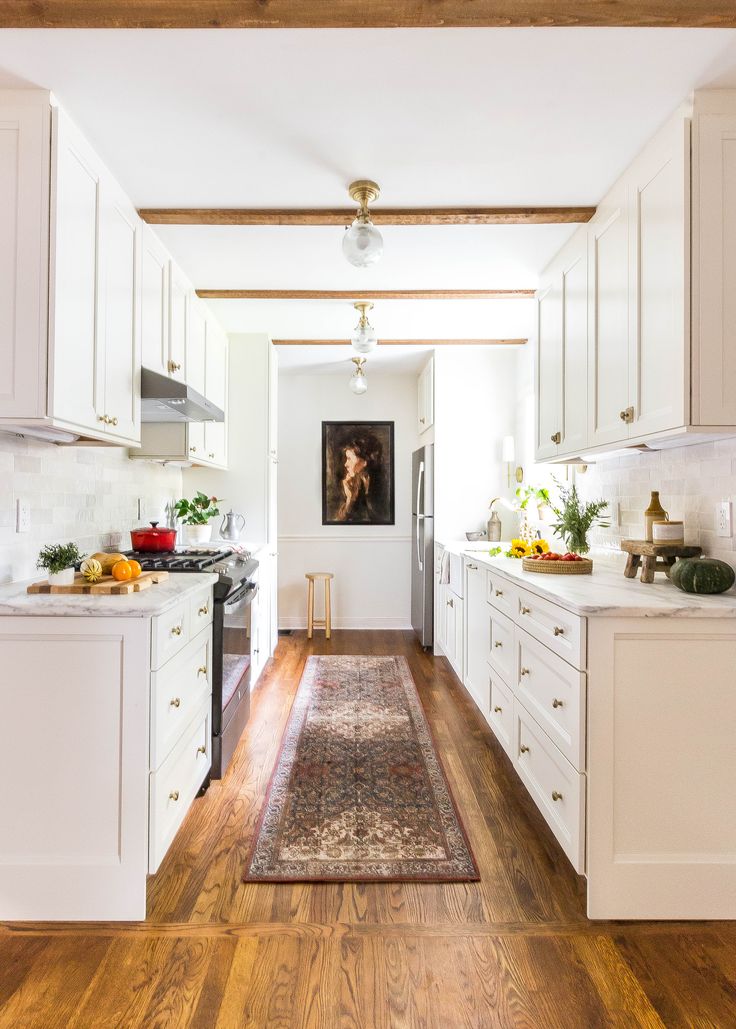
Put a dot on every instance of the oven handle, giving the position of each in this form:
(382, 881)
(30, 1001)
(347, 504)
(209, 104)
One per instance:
(241, 594)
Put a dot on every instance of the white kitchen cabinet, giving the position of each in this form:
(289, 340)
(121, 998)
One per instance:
(548, 365)
(454, 633)
(155, 263)
(71, 280)
(425, 397)
(180, 291)
(477, 635)
(196, 345)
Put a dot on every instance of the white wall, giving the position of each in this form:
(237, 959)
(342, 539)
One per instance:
(475, 407)
(243, 486)
(371, 564)
(86, 494)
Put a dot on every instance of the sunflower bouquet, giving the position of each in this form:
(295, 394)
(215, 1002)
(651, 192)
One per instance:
(522, 548)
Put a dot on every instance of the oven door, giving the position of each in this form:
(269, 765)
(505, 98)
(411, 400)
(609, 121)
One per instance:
(236, 648)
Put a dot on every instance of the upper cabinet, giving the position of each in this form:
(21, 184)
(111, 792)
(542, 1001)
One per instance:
(154, 304)
(425, 397)
(70, 293)
(648, 312)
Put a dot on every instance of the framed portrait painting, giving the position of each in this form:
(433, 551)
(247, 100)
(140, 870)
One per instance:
(358, 473)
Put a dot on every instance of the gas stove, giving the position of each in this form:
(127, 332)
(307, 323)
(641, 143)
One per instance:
(233, 569)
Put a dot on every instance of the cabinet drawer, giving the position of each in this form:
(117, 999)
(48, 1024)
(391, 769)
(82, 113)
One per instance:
(174, 786)
(200, 611)
(170, 634)
(177, 691)
(501, 713)
(554, 693)
(557, 788)
(502, 654)
(501, 594)
(561, 631)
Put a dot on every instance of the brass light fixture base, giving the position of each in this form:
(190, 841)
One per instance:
(363, 306)
(364, 191)
(359, 362)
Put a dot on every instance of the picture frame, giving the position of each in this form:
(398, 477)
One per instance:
(358, 473)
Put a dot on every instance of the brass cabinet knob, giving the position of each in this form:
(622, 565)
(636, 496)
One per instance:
(204, 610)
(202, 670)
(557, 703)
(473, 568)
(498, 710)
(176, 630)
(523, 671)
(113, 421)
(422, 421)
(174, 367)
(174, 795)
(103, 418)
(499, 593)
(556, 437)
(627, 415)
(176, 702)
(192, 450)
(524, 610)
(556, 795)
(450, 602)
(201, 750)
(498, 643)
(523, 749)
(559, 631)
(211, 456)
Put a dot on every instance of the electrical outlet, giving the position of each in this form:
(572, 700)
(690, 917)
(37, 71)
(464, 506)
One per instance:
(141, 509)
(723, 518)
(22, 515)
(614, 512)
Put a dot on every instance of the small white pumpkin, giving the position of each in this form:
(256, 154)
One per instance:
(91, 570)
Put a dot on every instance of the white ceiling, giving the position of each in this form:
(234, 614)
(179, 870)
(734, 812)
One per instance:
(446, 117)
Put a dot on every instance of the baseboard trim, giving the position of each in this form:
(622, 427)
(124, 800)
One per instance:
(348, 623)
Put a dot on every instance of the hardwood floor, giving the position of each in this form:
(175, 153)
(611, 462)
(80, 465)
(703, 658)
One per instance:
(514, 949)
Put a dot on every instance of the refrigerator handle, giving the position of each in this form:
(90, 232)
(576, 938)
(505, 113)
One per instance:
(419, 549)
(419, 488)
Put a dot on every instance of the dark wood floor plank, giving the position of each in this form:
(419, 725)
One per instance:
(514, 949)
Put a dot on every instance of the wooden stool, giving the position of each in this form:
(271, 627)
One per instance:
(654, 557)
(325, 624)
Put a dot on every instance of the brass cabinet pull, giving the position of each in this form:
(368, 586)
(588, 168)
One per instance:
(174, 795)
(557, 703)
(524, 610)
(174, 367)
(523, 671)
(422, 421)
(627, 415)
(211, 456)
(450, 602)
(559, 631)
(499, 593)
(176, 702)
(192, 450)
(498, 710)
(556, 437)
(176, 630)
(473, 568)
(113, 421)
(523, 749)
(201, 750)
(103, 418)
(202, 670)
(204, 610)
(498, 643)
(556, 795)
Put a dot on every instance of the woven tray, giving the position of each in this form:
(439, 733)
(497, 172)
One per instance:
(584, 567)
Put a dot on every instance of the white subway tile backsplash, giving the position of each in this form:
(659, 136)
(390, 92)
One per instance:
(75, 493)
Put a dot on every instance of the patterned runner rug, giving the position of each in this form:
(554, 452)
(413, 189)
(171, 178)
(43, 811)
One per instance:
(358, 792)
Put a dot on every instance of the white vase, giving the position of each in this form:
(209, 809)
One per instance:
(196, 535)
(63, 578)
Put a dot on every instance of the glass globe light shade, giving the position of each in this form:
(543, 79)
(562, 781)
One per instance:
(364, 338)
(362, 243)
(358, 382)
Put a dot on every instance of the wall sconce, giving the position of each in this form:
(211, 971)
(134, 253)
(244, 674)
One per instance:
(508, 457)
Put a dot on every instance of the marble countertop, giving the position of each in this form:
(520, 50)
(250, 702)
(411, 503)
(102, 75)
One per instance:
(153, 601)
(607, 592)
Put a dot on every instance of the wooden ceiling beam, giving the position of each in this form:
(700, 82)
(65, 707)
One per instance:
(380, 216)
(366, 294)
(295, 14)
(403, 342)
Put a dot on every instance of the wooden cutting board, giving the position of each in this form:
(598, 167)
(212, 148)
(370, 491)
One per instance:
(106, 585)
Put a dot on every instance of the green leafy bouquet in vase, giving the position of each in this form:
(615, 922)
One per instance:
(575, 518)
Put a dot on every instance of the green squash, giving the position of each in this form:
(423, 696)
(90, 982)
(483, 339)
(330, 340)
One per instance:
(703, 575)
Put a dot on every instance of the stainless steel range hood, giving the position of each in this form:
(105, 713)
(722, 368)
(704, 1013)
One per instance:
(167, 400)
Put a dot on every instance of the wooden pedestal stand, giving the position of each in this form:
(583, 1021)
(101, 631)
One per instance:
(653, 557)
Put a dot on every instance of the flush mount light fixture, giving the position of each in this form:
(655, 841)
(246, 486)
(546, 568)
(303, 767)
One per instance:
(358, 382)
(362, 243)
(364, 338)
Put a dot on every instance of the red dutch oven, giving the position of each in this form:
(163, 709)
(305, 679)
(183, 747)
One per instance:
(153, 540)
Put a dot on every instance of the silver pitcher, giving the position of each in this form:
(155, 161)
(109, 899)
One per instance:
(229, 529)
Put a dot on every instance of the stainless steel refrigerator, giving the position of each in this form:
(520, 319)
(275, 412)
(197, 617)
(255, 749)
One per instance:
(422, 547)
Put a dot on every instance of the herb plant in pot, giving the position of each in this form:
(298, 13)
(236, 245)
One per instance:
(195, 515)
(58, 559)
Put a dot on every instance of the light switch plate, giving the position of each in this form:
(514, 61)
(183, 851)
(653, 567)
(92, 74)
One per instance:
(723, 518)
(22, 515)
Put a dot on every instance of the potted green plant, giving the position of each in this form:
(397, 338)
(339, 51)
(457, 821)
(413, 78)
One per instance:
(575, 517)
(539, 493)
(59, 559)
(195, 515)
